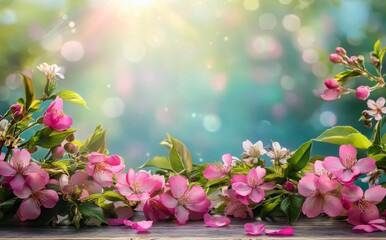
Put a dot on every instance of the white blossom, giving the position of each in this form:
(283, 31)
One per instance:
(253, 151)
(51, 71)
(376, 108)
(278, 154)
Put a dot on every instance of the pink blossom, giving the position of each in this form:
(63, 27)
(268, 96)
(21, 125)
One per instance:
(216, 220)
(335, 58)
(320, 197)
(253, 185)
(102, 168)
(331, 94)
(254, 229)
(55, 118)
(154, 210)
(362, 92)
(372, 226)
(79, 180)
(19, 166)
(234, 207)
(340, 51)
(138, 186)
(142, 226)
(364, 209)
(217, 170)
(180, 199)
(346, 168)
(377, 109)
(30, 207)
(287, 231)
(331, 83)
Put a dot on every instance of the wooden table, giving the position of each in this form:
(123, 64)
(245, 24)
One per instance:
(319, 228)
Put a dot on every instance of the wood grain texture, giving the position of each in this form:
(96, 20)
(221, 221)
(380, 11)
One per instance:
(319, 228)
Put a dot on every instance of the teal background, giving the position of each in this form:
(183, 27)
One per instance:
(211, 73)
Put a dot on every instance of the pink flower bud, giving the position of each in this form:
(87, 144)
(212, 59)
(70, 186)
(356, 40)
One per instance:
(71, 148)
(16, 108)
(57, 152)
(362, 92)
(335, 58)
(289, 186)
(340, 51)
(374, 60)
(331, 83)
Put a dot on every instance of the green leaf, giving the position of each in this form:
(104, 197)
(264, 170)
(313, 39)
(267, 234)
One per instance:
(345, 135)
(61, 165)
(73, 97)
(34, 105)
(301, 157)
(4, 206)
(215, 181)
(93, 197)
(113, 196)
(95, 143)
(269, 207)
(29, 91)
(273, 177)
(291, 206)
(344, 77)
(179, 155)
(377, 46)
(376, 137)
(159, 162)
(91, 210)
(48, 137)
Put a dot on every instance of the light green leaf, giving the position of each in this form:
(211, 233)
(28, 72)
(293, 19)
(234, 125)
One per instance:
(179, 155)
(377, 46)
(345, 135)
(73, 97)
(61, 165)
(301, 157)
(93, 196)
(29, 91)
(291, 206)
(96, 142)
(159, 162)
(34, 105)
(344, 77)
(113, 196)
(215, 181)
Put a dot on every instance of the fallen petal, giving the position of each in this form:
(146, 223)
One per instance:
(364, 227)
(254, 229)
(287, 231)
(141, 226)
(216, 220)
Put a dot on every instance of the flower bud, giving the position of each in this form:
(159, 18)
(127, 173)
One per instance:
(361, 59)
(70, 138)
(289, 186)
(352, 62)
(362, 92)
(335, 58)
(340, 51)
(331, 83)
(16, 108)
(374, 60)
(57, 152)
(368, 123)
(3, 124)
(71, 148)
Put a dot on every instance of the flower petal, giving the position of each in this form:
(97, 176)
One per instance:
(257, 195)
(365, 165)
(241, 188)
(17, 182)
(332, 206)
(20, 158)
(216, 220)
(104, 178)
(254, 229)
(212, 172)
(196, 194)
(375, 194)
(352, 193)
(312, 207)
(181, 214)
(333, 164)
(6, 169)
(364, 227)
(29, 209)
(23, 193)
(306, 185)
(168, 201)
(178, 186)
(95, 157)
(347, 153)
(227, 159)
(287, 231)
(35, 181)
(324, 184)
(268, 185)
(246, 145)
(48, 198)
(141, 226)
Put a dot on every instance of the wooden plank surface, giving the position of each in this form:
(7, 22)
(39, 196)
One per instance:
(319, 228)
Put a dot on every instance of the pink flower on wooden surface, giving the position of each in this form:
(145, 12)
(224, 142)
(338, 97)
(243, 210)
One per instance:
(234, 207)
(371, 226)
(216, 220)
(138, 186)
(254, 229)
(347, 168)
(30, 207)
(253, 185)
(18, 167)
(320, 196)
(102, 168)
(363, 208)
(55, 118)
(217, 170)
(182, 200)
(141, 226)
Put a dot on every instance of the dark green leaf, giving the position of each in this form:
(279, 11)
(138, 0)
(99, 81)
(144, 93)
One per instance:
(29, 91)
(4, 206)
(300, 158)
(91, 210)
(48, 137)
(73, 97)
(376, 137)
(159, 162)
(345, 135)
(269, 207)
(291, 207)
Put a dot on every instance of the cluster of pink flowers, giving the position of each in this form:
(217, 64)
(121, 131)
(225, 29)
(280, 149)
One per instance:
(330, 189)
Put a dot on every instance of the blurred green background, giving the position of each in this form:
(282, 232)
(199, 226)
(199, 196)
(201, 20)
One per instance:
(212, 73)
